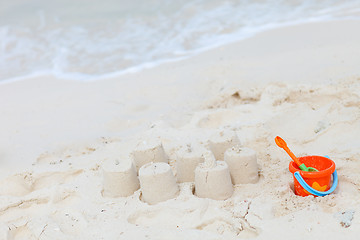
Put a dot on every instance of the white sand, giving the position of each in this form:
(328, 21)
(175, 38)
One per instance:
(301, 83)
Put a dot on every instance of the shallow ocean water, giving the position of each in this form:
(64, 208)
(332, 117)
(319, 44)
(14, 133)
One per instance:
(89, 39)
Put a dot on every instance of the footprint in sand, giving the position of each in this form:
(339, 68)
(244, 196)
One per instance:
(70, 223)
(24, 183)
(37, 228)
(236, 97)
(216, 118)
(20, 232)
(198, 218)
(190, 212)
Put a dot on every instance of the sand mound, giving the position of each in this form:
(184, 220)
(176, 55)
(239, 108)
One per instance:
(61, 196)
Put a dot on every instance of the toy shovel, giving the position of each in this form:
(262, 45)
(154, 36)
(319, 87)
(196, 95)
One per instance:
(281, 143)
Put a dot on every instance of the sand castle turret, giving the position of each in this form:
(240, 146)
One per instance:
(242, 165)
(157, 182)
(119, 178)
(187, 160)
(221, 141)
(212, 179)
(147, 152)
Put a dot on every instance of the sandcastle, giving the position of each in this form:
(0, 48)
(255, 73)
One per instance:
(119, 178)
(242, 165)
(212, 179)
(148, 151)
(221, 141)
(157, 182)
(187, 160)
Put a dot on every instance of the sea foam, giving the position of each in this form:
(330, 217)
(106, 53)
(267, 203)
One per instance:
(111, 38)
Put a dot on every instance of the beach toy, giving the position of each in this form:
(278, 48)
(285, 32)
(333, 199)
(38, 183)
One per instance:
(281, 143)
(221, 141)
(157, 182)
(212, 179)
(242, 165)
(148, 151)
(119, 178)
(314, 183)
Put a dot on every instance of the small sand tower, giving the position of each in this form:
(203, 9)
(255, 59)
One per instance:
(242, 165)
(157, 182)
(147, 152)
(212, 179)
(221, 141)
(188, 159)
(119, 178)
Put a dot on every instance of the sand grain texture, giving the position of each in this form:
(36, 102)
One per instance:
(57, 135)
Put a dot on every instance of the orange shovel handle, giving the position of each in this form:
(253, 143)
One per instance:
(281, 143)
(296, 160)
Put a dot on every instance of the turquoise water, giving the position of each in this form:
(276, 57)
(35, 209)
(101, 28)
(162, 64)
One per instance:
(88, 39)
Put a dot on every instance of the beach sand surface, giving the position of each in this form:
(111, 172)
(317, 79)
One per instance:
(300, 82)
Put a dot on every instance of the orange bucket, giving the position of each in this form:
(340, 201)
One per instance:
(314, 183)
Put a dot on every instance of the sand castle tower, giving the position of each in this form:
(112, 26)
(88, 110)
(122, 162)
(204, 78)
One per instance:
(148, 151)
(242, 165)
(157, 182)
(188, 159)
(221, 141)
(119, 178)
(212, 179)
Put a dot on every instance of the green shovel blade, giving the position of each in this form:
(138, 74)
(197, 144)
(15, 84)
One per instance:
(307, 169)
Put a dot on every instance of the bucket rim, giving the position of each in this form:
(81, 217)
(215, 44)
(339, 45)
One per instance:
(326, 172)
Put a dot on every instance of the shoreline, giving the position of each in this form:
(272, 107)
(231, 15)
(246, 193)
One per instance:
(80, 77)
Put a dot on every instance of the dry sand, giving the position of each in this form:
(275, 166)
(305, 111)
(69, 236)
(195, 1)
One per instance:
(300, 82)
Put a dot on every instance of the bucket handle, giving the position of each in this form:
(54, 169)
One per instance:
(313, 191)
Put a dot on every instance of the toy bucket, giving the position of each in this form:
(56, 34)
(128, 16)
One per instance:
(314, 183)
